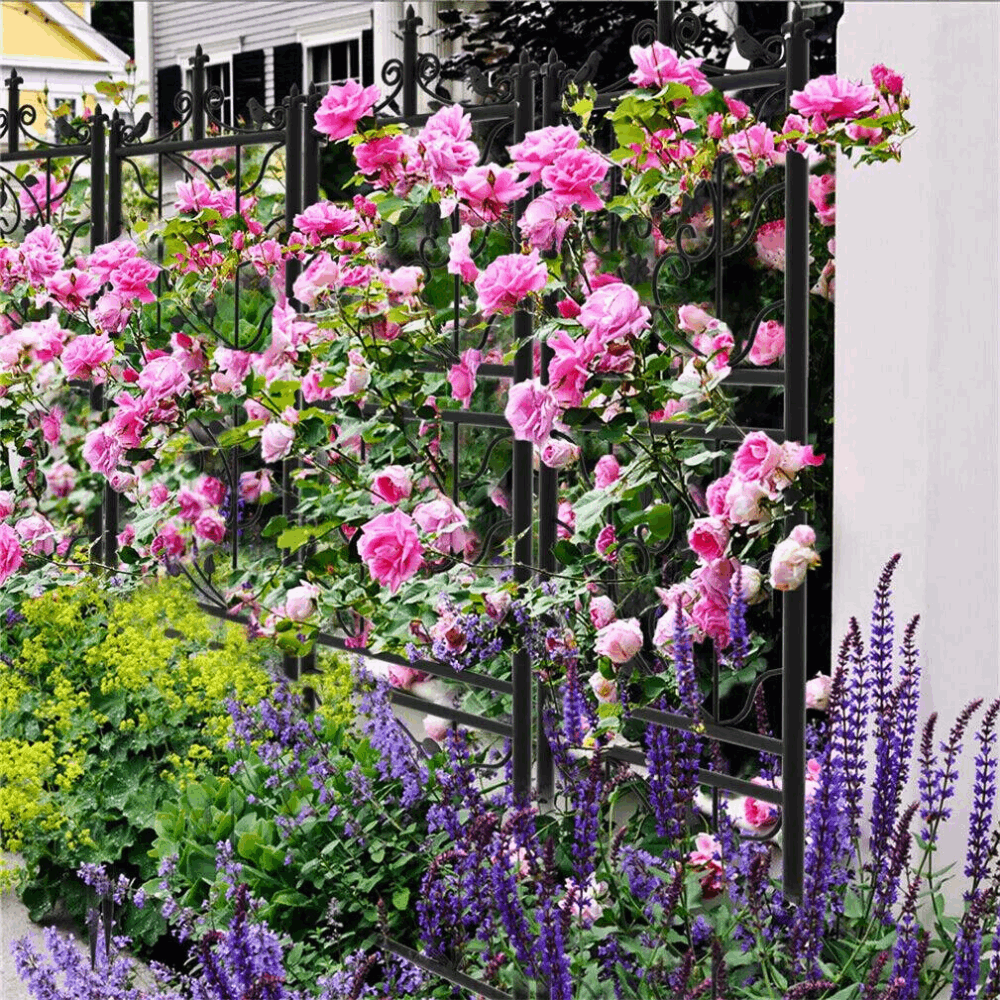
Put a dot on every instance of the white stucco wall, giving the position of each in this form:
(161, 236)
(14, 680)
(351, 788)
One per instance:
(917, 461)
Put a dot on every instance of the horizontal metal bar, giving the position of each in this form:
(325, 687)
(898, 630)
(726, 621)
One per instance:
(469, 677)
(452, 976)
(478, 113)
(749, 79)
(477, 419)
(746, 377)
(45, 153)
(275, 136)
(730, 434)
(724, 734)
(705, 776)
(398, 697)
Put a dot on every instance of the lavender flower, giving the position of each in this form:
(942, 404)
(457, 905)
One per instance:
(968, 939)
(983, 796)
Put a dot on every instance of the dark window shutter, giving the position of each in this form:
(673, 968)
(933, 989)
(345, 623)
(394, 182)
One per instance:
(168, 86)
(248, 81)
(367, 57)
(287, 69)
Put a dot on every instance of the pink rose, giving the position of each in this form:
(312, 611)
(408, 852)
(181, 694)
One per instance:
(619, 640)
(821, 188)
(743, 503)
(751, 146)
(794, 457)
(770, 245)
(36, 532)
(462, 377)
(566, 518)
(43, 254)
(757, 813)
(159, 494)
(657, 65)
(11, 556)
(163, 377)
(792, 558)
(606, 471)
(543, 223)
(606, 545)
(7, 504)
(834, 97)
(52, 425)
(254, 484)
(601, 611)
(605, 690)
(715, 495)
(508, 280)
(571, 179)
(489, 189)
(887, 80)
(757, 457)
(84, 356)
(391, 484)
(709, 537)
(300, 602)
(390, 547)
(768, 344)
(132, 278)
(612, 312)
(530, 411)
(101, 450)
(326, 219)
(211, 526)
(557, 453)
(460, 260)
(61, 479)
(436, 728)
(442, 519)
(322, 275)
(713, 619)
(448, 150)
(276, 441)
(818, 692)
(542, 148)
(343, 107)
(693, 319)
(169, 541)
(404, 677)
(497, 604)
(568, 369)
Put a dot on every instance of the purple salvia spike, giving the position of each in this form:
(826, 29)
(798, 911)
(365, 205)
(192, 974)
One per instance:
(909, 704)
(968, 941)
(887, 885)
(856, 719)
(882, 632)
(984, 793)
(941, 786)
(884, 802)
(739, 643)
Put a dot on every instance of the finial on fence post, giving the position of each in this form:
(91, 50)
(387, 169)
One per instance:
(14, 82)
(409, 26)
(197, 61)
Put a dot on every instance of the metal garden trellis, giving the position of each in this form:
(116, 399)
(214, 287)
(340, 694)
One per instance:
(516, 102)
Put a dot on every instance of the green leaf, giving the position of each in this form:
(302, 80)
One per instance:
(401, 899)
(661, 520)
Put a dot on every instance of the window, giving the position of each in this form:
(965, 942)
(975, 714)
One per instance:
(335, 62)
(218, 73)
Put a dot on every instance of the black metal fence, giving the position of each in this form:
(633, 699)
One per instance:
(530, 97)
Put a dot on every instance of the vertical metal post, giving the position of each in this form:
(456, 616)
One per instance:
(114, 226)
(548, 479)
(13, 108)
(522, 500)
(665, 22)
(793, 632)
(409, 26)
(198, 61)
(310, 150)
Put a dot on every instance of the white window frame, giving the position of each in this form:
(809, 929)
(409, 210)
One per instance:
(350, 31)
(217, 57)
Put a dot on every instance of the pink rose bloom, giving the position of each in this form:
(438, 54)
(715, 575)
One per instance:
(833, 98)
(389, 156)
(770, 245)
(571, 179)
(619, 640)
(84, 355)
(326, 219)
(446, 522)
(36, 533)
(795, 457)
(159, 494)
(693, 319)
(405, 281)
(52, 425)
(750, 146)
(460, 260)
(531, 411)
(557, 453)
(132, 278)
(497, 604)
(489, 189)
(436, 728)
(300, 602)
(792, 558)
(818, 692)
(713, 125)
(390, 547)
(769, 344)
(759, 814)
(211, 526)
(743, 502)
(737, 109)
(542, 148)
(101, 450)
(606, 471)
(343, 107)
(613, 312)
(887, 79)
(212, 489)
(605, 690)
(568, 369)
(103, 260)
(543, 223)
(43, 254)
(322, 275)
(72, 288)
(566, 518)
(602, 611)
(404, 677)
(825, 286)
(657, 65)
(111, 313)
(713, 619)
(821, 188)
(462, 377)
(757, 457)
(276, 441)
(189, 504)
(607, 544)
(6, 503)
(509, 279)
(708, 537)
(169, 541)
(163, 377)
(448, 150)
(254, 484)
(11, 556)
(391, 484)
(41, 194)
(61, 479)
